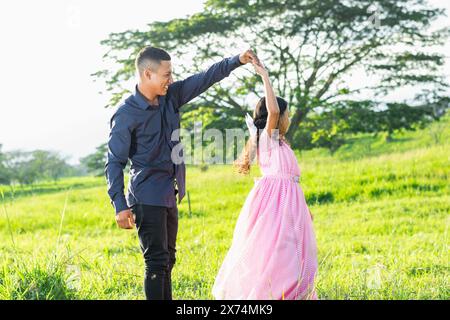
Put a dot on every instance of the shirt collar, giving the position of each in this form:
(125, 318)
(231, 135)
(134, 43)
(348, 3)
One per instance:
(140, 99)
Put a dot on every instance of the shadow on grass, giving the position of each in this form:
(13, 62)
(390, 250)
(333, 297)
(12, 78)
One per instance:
(320, 198)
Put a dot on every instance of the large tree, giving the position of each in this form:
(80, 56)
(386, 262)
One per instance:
(310, 47)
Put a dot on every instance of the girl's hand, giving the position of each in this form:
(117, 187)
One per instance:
(260, 69)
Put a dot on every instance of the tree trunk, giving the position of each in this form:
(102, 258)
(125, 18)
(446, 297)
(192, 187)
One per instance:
(298, 117)
(388, 137)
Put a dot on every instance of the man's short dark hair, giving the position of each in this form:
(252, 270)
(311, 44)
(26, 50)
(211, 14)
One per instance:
(150, 57)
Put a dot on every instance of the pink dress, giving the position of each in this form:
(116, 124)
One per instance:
(273, 254)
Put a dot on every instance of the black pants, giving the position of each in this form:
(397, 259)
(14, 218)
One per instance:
(157, 229)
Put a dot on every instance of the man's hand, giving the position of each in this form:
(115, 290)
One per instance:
(125, 219)
(248, 56)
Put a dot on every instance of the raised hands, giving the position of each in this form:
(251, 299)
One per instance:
(260, 69)
(248, 56)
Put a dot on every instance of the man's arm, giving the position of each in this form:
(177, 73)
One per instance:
(118, 150)
(186, 90)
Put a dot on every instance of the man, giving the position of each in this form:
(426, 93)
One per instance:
(141, 131)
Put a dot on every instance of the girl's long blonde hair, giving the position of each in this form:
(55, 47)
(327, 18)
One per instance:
(260, 114)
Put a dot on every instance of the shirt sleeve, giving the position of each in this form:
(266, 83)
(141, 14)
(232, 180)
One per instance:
(118, 151)
(189, 88)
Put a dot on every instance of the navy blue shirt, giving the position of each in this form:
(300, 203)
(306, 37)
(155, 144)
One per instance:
(142, 133)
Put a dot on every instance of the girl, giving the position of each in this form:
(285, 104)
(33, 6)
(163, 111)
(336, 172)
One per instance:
(273, 254)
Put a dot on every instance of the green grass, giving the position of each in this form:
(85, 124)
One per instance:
(381, 217)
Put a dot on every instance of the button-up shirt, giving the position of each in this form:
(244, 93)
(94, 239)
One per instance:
(142, 133)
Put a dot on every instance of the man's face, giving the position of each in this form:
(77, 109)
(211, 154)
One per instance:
(161, 78)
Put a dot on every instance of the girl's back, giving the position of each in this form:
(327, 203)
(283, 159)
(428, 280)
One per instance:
(273, 254)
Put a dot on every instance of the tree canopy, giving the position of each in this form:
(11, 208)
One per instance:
(311, 48)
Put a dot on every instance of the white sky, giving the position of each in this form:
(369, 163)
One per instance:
(49, 48)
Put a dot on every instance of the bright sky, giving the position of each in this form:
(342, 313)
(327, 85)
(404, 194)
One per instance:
(50, 48)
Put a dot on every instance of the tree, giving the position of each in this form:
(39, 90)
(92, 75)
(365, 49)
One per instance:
(20, 165)
(27, 167)
(95, 163)
(309, 46)
(5, 176)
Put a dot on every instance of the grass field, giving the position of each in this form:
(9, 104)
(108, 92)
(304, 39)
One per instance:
(381, 217)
